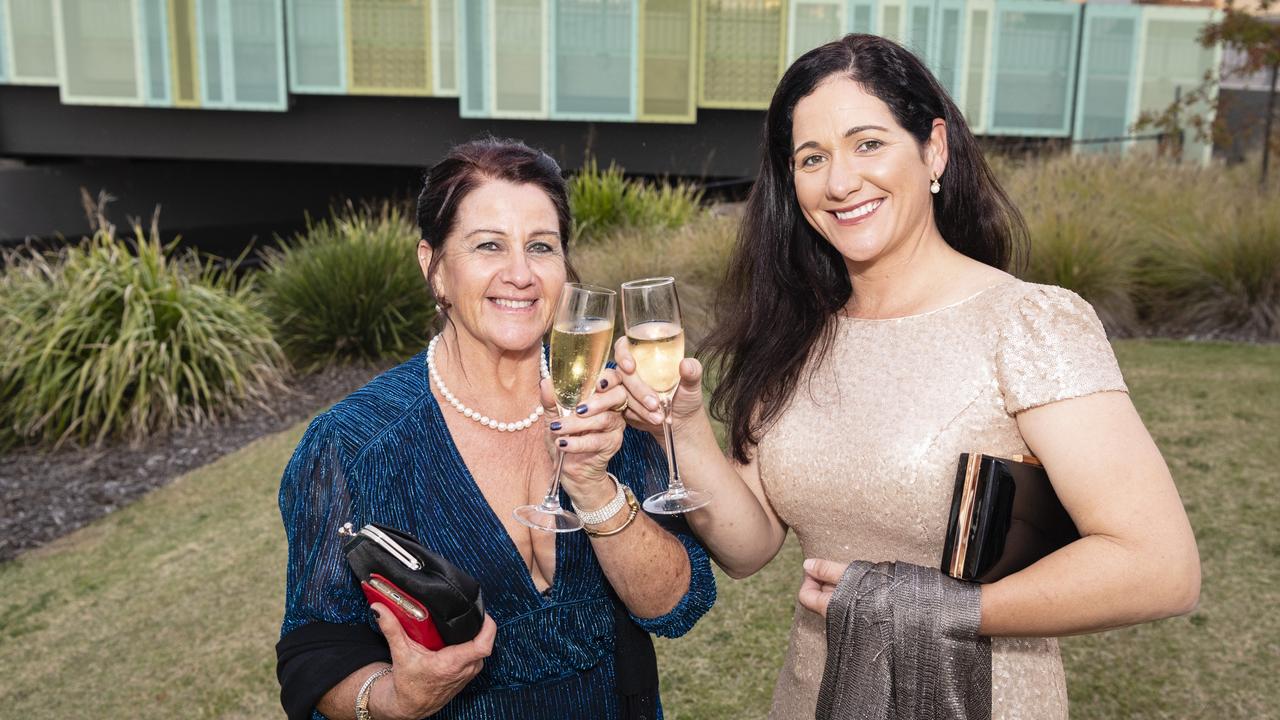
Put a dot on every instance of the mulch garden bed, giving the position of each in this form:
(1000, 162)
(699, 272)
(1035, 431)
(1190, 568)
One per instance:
(44, 495)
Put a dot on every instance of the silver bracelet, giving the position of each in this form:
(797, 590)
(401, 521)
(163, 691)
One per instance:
(619, 501)
(362, 697)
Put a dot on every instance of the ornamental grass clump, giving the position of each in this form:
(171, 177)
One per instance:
(694, 254)
(603, 201)
(1090, 256)
(1081, 238)
(123, 338)
(349, 289)
(1221, 277)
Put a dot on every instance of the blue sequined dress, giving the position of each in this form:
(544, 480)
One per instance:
(385, 455)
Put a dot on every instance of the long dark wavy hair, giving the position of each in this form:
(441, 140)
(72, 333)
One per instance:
(785, 281)
(465, 168)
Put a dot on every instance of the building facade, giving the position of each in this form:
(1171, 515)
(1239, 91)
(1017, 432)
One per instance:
(1035, 68)
(662, 86)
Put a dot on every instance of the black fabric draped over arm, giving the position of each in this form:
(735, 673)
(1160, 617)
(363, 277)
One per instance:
(314, 658)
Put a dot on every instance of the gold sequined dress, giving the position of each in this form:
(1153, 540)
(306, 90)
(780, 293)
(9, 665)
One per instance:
(861, 464)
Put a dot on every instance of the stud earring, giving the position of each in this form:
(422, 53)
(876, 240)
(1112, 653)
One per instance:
(936, 187)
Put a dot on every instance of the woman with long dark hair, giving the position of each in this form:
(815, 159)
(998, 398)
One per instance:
(868, 336)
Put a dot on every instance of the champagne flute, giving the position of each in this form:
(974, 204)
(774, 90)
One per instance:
(651, 316)
(580, 338)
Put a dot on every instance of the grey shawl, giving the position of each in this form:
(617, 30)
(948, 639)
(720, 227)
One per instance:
(903, 644)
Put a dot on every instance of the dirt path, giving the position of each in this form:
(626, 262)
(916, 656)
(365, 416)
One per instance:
(46, 495)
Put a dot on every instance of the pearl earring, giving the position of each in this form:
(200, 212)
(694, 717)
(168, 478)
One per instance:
(936, 187)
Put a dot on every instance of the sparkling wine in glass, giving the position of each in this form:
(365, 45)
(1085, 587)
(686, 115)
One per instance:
(651, 316)
(580, 338)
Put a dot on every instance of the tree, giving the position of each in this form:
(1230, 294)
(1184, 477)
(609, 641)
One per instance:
(1257, 38)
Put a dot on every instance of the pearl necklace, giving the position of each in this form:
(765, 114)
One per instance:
(474, 414)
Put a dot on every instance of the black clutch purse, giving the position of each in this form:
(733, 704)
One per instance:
(1004, 517)
(436, 603)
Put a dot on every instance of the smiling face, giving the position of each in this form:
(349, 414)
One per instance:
(503, 266)
(862, 181)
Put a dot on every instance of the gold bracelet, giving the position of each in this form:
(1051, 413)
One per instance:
(362, 697)
(631, 516)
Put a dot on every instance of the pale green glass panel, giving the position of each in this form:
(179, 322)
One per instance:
(666, 75)
(816, 23)
(975, 100)
(35, 58)
(4, 50)
(518, 56)
(389, 46)
(184, 53)
(99, 52)
(741, 52)
(946, 63)
(211, 39)
(155, 38)
(919, 31)
(257, 53)
(1174, 60)
(892, 16)
(316, 46)
(862, 17)
(593, 58)
(1107, 81)
(1032, 88)
(444, 34)
(473, 73)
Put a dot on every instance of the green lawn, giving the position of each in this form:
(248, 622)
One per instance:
(171, 606)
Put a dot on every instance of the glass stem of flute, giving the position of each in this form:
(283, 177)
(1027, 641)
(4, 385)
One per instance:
(674, 484)
(552, 500)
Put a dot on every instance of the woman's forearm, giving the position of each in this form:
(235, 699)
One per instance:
(340, 702)
(1096, 583)
(647, 566)
(741, 535)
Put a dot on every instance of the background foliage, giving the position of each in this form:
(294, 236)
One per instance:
(116, 338)
(349, 289)
(603, 201)
(1158, 248)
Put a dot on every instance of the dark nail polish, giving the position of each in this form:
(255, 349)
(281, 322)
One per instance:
(564, 443)
(581, 409)
(604, 384)
(555, 426)
(377, 615)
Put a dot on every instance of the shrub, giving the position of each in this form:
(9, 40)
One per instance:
(120, 339)
(1219, 277)
(694, 254)
(1093, 258)
(604, 200)
(1081, 238)
(597, 200)
(349, 289)
(1155, 246)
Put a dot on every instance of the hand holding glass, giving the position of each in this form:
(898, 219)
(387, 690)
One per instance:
(651, 316)
(580, 336)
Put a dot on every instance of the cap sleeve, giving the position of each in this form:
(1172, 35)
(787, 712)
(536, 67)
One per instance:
(1053, 347)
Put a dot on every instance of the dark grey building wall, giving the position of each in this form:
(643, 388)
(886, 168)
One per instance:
(360, 130)
(222, 177)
